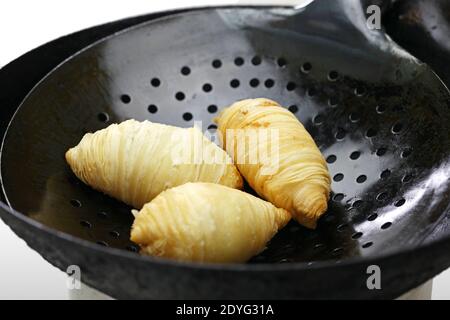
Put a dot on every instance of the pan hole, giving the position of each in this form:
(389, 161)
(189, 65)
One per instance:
(85, 224)
(103, 117)
(212, 127)
(380, 109)
(340, 134)
(114, 234)
(155, 82)
(382, 196)
(185, 71)
(355, 155)
(400, 202)
(306, 67)
(212, 108)
(406, 153)
(234, 83)
(291, 86)
(180, 96)
(333, 102)
(385, 174)
(381, 152)
(216, 64)
(372, 217)
(207, 87)
(371, 133)
(357, 235)
(102, 243)
(367, 245)
(386, 225)
(239, 61)
(361, 179)
(331, 159)
(281, 62)
(102, 215)
(354, 117)
(338, 197)
(75, 203)
(132, 248)
(359, 91)
(293, 108)
(319, 119)
(337, 251)
(254, 83)
(256, 60)
(407, 178)
(152, 108)
(187, 116)
(397, 128)
(342, 227)
(338, 177)
(350, 209)
(125, 98)
(269, 83)
(357, 204)
(333, 75)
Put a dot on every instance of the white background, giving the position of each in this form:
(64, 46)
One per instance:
(26, 24)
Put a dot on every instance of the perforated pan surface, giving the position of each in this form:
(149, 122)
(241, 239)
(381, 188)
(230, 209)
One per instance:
(379, 116)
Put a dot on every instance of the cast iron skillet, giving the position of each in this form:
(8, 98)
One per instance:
(378, 114)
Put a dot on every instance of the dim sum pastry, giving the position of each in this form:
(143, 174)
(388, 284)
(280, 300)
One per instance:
(206, 222)
(134, 161)
(297, 177)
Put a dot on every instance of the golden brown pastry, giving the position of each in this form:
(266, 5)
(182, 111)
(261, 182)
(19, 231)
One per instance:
(299, 181)
(134, 161)
(206, 222)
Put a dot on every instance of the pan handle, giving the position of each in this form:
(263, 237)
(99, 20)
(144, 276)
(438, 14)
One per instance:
(347, 24)
(355, 15)
(354, 12)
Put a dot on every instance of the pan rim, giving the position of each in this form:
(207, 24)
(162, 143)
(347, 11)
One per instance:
(297, 266)
(247, 267)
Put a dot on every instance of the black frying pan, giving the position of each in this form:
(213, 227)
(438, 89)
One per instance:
(379, 116)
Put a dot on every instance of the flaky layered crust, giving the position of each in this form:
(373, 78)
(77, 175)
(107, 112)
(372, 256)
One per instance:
(135, 161)
(301, 182)
(206, 222)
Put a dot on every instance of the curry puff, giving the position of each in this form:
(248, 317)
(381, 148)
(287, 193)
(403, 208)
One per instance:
(206, 222)
(300, 182)
(135, 161)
